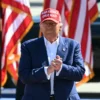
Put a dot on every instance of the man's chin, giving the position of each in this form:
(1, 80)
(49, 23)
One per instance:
(50, 32)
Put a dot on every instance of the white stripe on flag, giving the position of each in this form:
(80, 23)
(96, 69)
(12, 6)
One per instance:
(14, 26)
(91, 3)
(81, 21)
(53, 3)
(23, 2)
(88, 48)
(69, 4)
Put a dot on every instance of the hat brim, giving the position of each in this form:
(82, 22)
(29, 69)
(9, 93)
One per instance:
(50, 19)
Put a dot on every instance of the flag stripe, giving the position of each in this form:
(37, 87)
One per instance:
(91, 3)
(12, 30)
(88, 48)
(9, 20)
(17, 5)
(80, 21)
(85, 35)
(16, 36)
(75, 19)
(93, 12)
(65, 12)
(46, 3)
(53, 4)
(68, 4)
(59, 6)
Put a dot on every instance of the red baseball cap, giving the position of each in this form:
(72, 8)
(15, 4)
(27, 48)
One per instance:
(50, 14)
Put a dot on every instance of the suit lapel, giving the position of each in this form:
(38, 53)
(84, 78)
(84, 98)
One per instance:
(43, 52)
(62, 47)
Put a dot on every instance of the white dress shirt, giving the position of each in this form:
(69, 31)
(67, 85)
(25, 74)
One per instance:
(51, 49)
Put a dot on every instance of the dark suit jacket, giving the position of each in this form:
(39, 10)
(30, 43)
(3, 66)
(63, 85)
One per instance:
(31, 70)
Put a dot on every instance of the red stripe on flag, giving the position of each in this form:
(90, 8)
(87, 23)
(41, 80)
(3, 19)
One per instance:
(46, 4)
(17, 5)
(93, 11)
(85, 35)
(9, 21)
(59, 6)
(72, 28)
(66, 13)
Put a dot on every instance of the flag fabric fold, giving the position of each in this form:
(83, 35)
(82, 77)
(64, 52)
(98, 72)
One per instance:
(17, 21)
(77, 16)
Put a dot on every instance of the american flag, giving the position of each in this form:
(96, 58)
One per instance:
(17, 21)
(77, 16)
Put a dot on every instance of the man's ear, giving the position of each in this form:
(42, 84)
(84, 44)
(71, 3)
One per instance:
(60, 24)
(41, 27)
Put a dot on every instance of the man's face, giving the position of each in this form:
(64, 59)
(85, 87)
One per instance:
(49, 28)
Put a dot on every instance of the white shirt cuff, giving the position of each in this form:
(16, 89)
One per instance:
(45, 70)
(58, 72)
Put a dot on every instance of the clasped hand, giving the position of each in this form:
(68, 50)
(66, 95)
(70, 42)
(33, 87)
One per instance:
(55, 65)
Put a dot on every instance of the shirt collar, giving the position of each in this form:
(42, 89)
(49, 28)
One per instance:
(46, 41)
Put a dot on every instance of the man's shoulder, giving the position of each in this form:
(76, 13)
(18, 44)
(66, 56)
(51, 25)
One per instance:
(31, 41)
(70, 40)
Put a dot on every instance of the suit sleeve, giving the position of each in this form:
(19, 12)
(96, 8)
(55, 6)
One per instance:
(26, 72)
(76, 71)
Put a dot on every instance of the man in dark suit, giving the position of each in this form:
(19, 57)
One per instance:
(50, 65)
